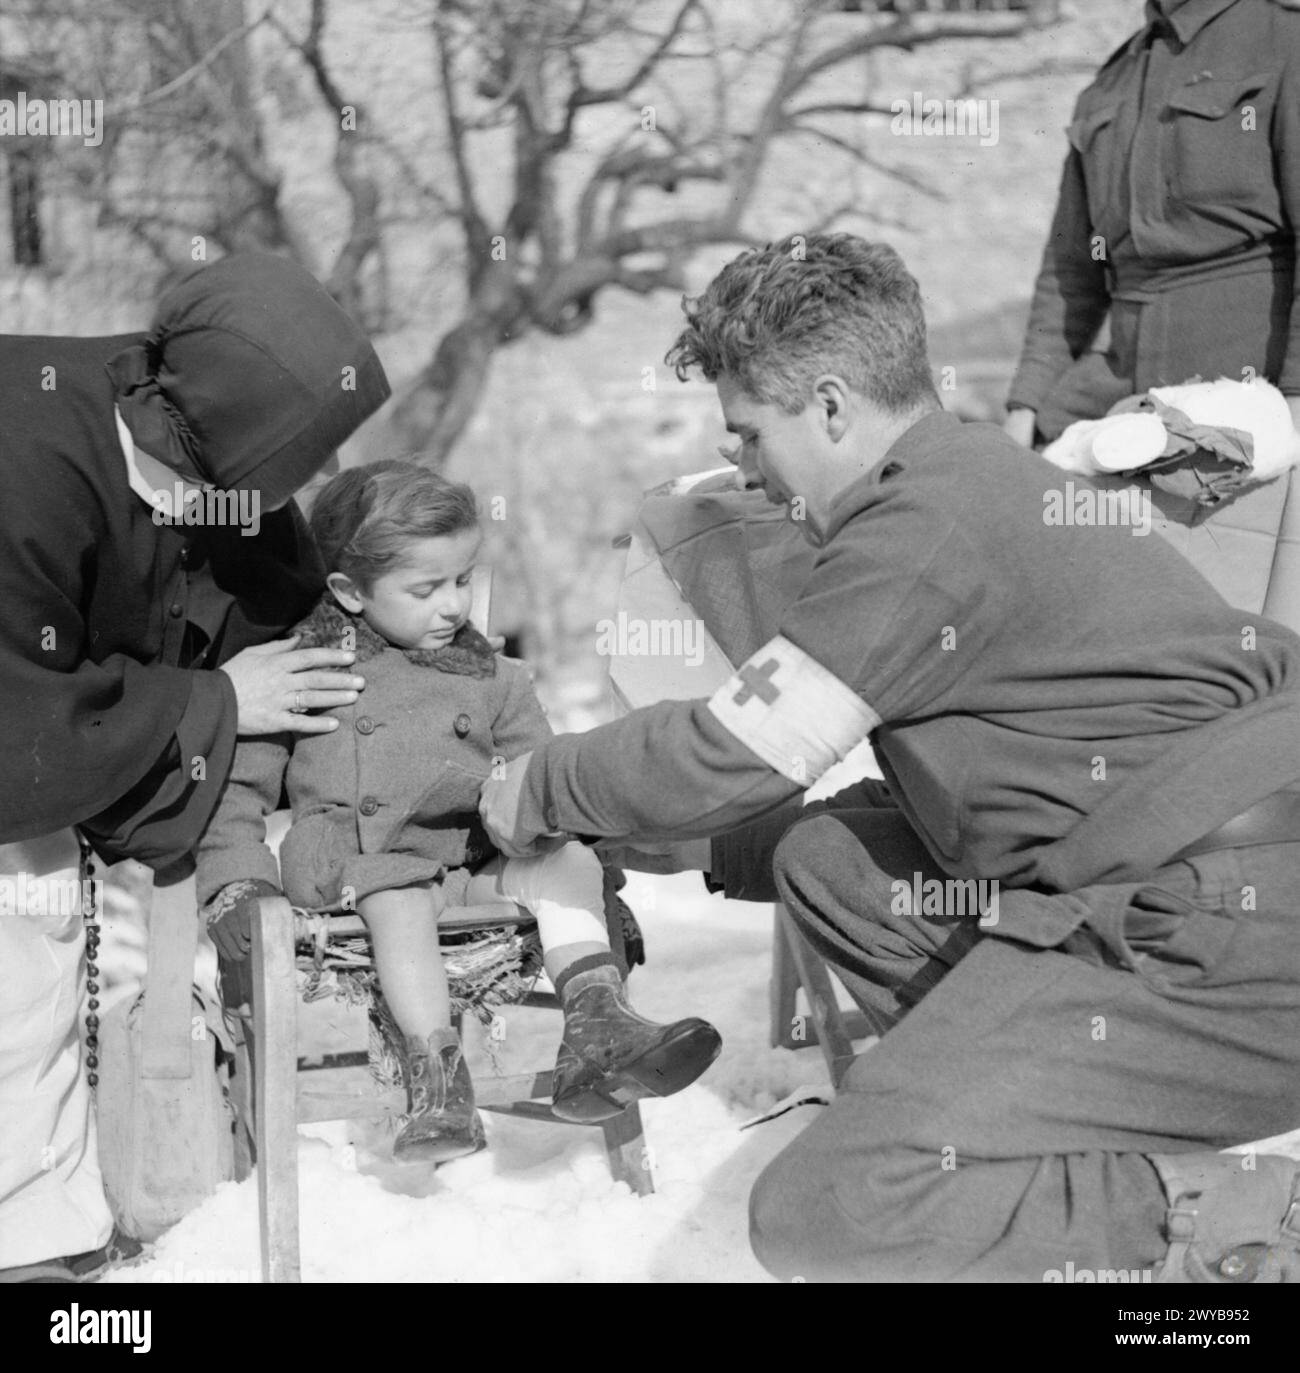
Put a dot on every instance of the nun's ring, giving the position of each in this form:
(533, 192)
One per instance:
(297, 708)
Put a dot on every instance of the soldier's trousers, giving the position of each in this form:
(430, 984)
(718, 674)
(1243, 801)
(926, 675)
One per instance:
(999, 1129)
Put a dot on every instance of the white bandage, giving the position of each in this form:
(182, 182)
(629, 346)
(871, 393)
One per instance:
(564, 889)
(798, 717)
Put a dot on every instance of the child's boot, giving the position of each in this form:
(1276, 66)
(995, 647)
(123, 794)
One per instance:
(610, 1056)
(443, 1123)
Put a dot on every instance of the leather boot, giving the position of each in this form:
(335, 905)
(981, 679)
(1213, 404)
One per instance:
(610, 1056)
(1229, 1222)
(443, 1123)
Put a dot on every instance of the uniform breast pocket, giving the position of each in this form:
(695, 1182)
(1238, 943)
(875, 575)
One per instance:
(1218, 145)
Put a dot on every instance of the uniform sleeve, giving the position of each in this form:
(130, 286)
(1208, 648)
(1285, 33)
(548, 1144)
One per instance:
(1070, 299)
(1286, 158)
(898, 606)
(110, 745)
(521, 724)
(890, 618)
(234, 844)
(667, 771)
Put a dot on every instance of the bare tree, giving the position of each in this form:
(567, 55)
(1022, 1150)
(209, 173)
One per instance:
(585, 144)
(523, 69)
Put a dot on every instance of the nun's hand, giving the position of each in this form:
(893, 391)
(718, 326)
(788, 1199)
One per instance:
(276, 684)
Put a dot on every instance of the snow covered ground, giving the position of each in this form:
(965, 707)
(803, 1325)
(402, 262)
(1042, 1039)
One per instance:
(539, 1204)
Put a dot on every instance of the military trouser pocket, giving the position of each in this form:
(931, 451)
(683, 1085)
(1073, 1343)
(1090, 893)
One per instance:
(1169, 938)
(1170, 941)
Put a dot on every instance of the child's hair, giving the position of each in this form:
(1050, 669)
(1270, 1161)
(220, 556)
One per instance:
(363, 518)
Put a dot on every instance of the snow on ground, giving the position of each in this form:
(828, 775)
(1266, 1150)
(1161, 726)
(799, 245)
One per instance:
(539, 1204)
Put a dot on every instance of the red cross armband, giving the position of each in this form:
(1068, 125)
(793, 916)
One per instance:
(795, 714)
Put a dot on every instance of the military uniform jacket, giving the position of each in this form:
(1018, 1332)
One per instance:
(107, 615)
(389, 798)
(1177, 216)
(1054, 704)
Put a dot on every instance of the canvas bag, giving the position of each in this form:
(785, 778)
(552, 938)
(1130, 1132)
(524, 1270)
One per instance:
(166, 1121)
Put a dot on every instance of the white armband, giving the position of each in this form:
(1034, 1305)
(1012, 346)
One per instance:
(797, 716)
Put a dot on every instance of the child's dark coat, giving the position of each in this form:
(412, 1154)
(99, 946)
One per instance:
(391, 796)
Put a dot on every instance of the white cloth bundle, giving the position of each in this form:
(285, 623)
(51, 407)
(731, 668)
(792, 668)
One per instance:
(1134, 438)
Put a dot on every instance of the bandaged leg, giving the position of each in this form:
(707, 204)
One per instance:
(609, 1055)
(564, 890)
(51, 1193)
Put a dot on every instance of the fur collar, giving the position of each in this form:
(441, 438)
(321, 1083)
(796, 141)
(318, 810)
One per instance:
(468, 655)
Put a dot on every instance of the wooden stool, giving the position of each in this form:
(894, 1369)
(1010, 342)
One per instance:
(275, 1090)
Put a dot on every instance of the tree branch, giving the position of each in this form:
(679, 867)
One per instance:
(840, 107)
(363, 235)
(197, 69)
(585, 95)
(473, 225)
(859, 154)
(910, 32)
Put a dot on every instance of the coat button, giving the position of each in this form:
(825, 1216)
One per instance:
(365, 725)
(552, 820)
(462, 725)
(368, 805)
(176, 611)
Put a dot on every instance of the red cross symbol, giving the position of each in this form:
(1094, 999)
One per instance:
(757, 682)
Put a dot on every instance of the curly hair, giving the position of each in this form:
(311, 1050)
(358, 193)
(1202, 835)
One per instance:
(364, 518)
(776, 318)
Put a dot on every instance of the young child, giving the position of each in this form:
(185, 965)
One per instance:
(385, 814)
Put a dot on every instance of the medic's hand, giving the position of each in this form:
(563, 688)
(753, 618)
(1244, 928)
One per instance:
(230, 916)
(1019, 425)
(498, 808)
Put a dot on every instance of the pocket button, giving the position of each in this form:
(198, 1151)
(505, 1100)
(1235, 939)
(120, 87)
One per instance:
(462, 725)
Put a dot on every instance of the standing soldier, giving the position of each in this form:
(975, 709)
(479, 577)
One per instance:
(1176, 219)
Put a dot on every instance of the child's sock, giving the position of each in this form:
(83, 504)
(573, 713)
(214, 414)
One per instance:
(580, 973)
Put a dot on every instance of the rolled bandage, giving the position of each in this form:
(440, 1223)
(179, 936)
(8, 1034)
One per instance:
(791, 711)
(564, 890)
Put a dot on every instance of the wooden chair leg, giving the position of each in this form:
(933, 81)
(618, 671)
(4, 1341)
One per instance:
(782, 989)
(275, 1054)
(832, 1033)
(234, 983)
(241, 1098)
(629, 1155)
